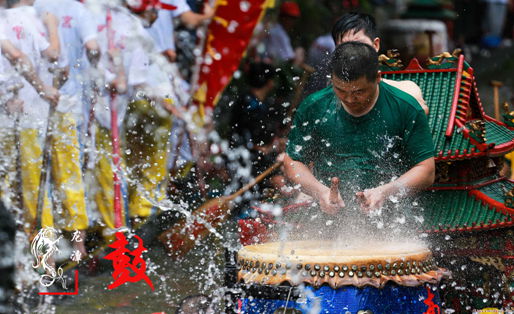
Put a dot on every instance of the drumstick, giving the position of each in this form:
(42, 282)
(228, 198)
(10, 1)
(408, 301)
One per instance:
(182, 237)
(334, 190)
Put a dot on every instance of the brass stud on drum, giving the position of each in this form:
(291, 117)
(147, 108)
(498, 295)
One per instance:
(336, 268)
(360, 274)
(313, 273)
(270, 265)
(402, 265)
(395, 265)
(307, 266)
(379, 267)
(278, 265)
(393, 272)
(385, 273)
(322, 274)
(377, 274)
(363, 268)
(254, 270)
(354, 267)
(317, 267)
(400, 272)
(331, 274)
(326, 268)
(288, 265)
(350, 273)
(274, 272)
(372, 267)
(266, 271)
(299, 266)
(341, 274)
(369, 274)
(345, 268)
(388, 266)
(283, 271)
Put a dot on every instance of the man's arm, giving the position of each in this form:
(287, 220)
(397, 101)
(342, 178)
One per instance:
(412, 89)
(92, 52)
(52, 24)
(23, 65)
(419, 177)
(300, 174)
(192, 19)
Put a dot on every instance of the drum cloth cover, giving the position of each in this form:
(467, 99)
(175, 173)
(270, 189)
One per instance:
(324, 262)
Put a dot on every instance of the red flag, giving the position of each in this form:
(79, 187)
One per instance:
(227, 38)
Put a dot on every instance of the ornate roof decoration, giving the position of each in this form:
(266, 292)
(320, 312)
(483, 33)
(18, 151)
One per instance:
(508, 116)
(470, 208)
(460, 127)
(469, 194)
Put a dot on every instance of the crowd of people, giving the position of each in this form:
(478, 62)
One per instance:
(93, 105)
(77, 82)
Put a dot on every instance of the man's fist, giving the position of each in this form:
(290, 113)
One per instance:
(51, 95)
(329, 203)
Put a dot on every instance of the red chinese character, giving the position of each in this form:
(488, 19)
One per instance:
(19, 31)
(122, 265)
(432, 307)
(66, 21)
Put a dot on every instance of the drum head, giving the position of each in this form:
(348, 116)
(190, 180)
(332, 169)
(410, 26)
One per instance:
(325, 262)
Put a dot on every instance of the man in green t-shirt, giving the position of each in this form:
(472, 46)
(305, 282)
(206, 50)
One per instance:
(372, 136)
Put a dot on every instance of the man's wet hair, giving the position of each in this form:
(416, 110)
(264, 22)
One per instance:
(355, 22)
(259, 74)
(353, 60)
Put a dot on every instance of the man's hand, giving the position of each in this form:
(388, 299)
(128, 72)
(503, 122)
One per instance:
(170, 54)
(50, 94)
(372, 199)
(328, 206)
(208, 11)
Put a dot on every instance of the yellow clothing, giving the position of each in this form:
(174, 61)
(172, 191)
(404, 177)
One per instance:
(148, 132)
(510, 157)
(103, 173)
(65, 174)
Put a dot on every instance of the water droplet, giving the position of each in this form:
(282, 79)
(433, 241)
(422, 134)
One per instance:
(244, 6)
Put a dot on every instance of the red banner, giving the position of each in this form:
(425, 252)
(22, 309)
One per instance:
(228, 36)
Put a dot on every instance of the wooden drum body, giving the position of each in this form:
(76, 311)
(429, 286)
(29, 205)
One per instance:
(319, 275)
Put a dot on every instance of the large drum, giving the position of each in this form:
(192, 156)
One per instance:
(326, 277)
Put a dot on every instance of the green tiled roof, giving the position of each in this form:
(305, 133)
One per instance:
(438, 87)
(459, 210)
(497, 134)
(456, 142)
(497, 190)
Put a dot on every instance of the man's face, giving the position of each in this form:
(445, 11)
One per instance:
(359, 36)
(357, 96)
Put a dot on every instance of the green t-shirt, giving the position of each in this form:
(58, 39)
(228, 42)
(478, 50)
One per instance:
(366, 151)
